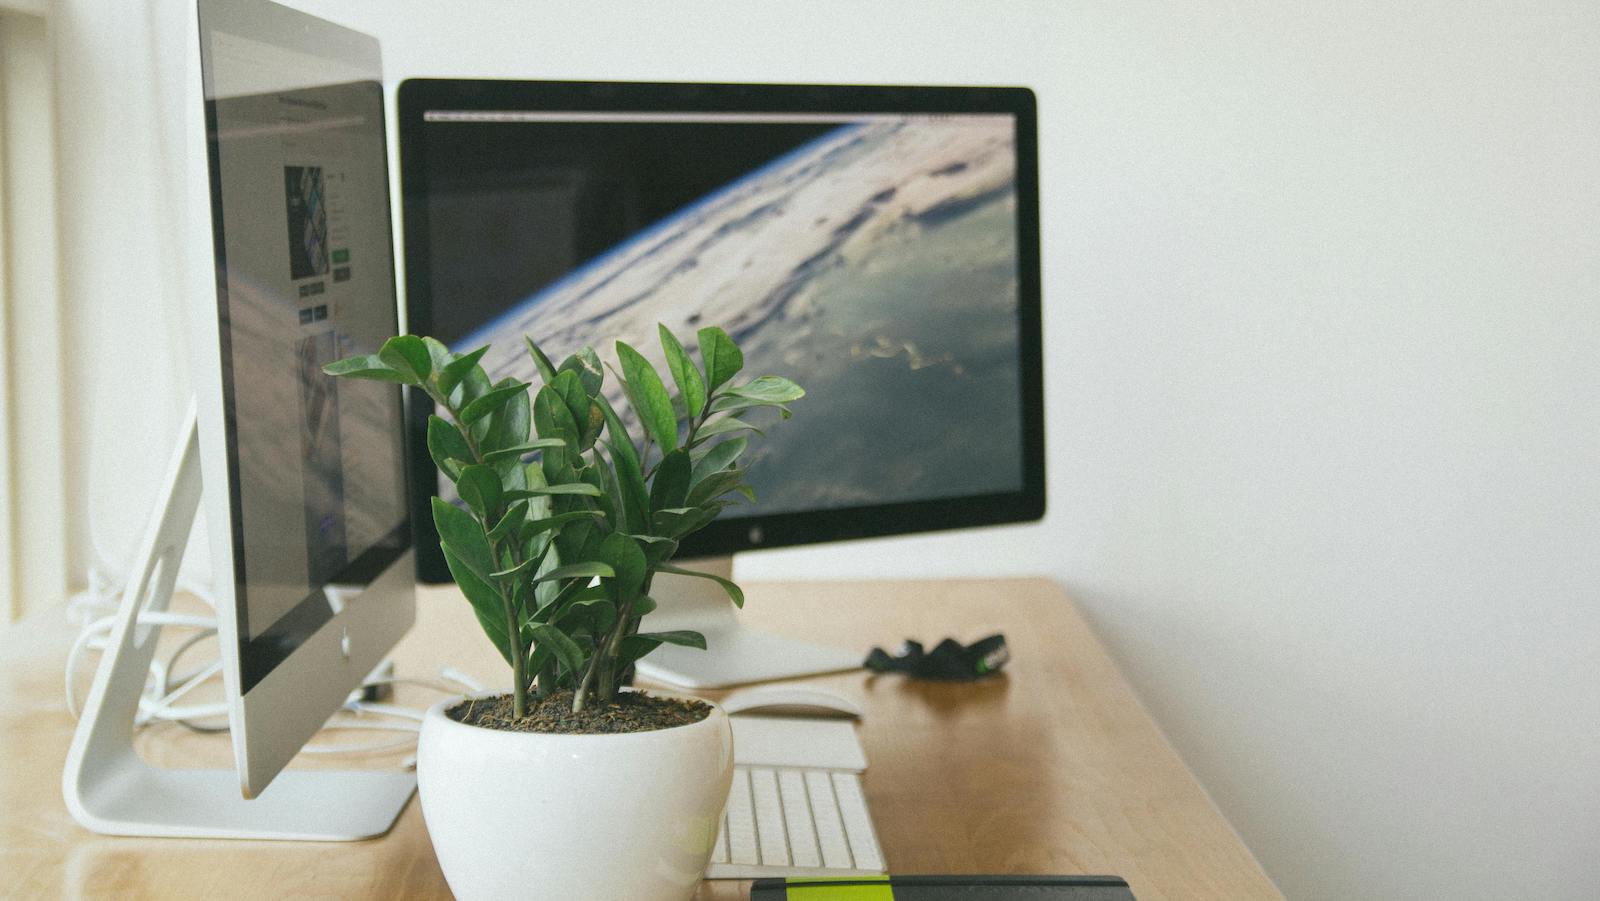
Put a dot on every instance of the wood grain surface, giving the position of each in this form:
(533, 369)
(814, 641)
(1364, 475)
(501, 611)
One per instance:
(1052, 767)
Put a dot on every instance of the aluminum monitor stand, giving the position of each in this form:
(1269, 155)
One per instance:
(110, 789)
(734, 654)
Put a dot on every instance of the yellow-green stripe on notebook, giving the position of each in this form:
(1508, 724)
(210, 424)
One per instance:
(849, 888)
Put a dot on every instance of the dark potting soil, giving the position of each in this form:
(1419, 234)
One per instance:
(630, 712)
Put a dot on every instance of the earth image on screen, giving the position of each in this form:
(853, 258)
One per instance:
(875, 265)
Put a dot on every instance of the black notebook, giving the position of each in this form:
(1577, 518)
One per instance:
(943, 888)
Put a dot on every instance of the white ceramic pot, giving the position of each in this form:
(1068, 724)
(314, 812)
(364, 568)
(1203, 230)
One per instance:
(567, 817)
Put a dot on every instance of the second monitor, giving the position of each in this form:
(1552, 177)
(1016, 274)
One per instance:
(877, 244)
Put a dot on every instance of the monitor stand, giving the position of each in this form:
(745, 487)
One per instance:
(734, 654)
(112, 790)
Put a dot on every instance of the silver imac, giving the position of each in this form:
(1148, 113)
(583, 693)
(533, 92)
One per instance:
(304, 477)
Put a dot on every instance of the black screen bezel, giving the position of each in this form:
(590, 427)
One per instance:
(417, 96)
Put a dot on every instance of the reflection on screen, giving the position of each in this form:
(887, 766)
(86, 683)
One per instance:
(309, 279)
(871, 258)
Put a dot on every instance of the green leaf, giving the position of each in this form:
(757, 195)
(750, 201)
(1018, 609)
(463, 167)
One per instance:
(586, 418)
(769, 389)
(508, 452)
(451, 374)
(632, 648)
(722, 427)
(545, 592)
(490, 401)
(592, 426)
(535, 526)
(367, 367)
(627, 560)
(512, 521)
(670, 485)
(691, 387)
(539, 506)
(462, 535)
(610, 500)
(681, 521)
(438, 355)
(508, 427)
(473, 386)
(727, 585)
(682, 637)
(656, 548)
(719, 458)
(553, 419)
(586, 365)
(487, 603)
(479, 486)
(630, 478)
(407, 354)
(722, 356)
(649, 396)
(570, 597)
(714, 486)
(729, 403)
(568, 387)
(565, 649)
(445, 444)
(630, 485)
(598, 610)
(547, 372)
(644, 605)
(517, 570)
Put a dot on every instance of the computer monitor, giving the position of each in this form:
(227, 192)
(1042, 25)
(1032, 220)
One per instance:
(880, 245)
(304, 476)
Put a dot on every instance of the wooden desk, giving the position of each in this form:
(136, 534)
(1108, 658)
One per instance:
(1052, 768)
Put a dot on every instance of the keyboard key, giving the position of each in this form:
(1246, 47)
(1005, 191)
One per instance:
(769, 818)
(830, 827)
(797, 816)
(741, 821)
(857, 823)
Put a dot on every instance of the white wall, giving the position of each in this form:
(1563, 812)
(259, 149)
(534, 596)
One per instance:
(32, 527)
(122, 206)
(1322, 384)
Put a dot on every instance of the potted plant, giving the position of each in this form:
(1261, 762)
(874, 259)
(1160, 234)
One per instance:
(570, 785)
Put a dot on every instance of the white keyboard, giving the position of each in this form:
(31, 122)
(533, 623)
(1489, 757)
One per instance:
(784, 821)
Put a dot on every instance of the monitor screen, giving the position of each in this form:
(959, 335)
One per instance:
(877, 245)
(305, 276)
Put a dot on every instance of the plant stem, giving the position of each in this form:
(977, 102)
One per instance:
(608, 658)
(580, 694)
(519, 686)
(694, 427)
(546, 678)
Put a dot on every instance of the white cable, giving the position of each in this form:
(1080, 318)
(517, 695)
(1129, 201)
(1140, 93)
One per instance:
(420, 683)
(94, 610)
(164, 709)
(384, 710)
(460, 678)
(360, 749)
(365, 707)
(96, 635)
